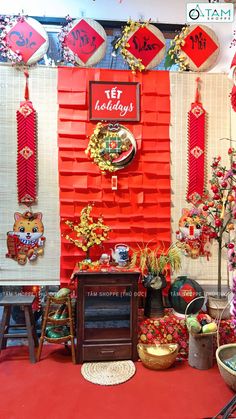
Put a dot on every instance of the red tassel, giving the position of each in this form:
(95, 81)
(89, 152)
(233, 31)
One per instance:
(26, 85)
(197, 95)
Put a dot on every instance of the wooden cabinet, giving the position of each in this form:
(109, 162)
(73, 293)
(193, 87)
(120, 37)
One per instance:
(107, 314)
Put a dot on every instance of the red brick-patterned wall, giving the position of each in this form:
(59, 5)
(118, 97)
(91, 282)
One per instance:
(139, 211)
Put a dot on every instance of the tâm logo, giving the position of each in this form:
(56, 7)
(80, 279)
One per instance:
(210, 12)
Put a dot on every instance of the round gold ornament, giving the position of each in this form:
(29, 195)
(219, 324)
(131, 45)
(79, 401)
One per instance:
(112, 147)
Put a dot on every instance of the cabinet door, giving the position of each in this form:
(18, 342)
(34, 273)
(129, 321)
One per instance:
(107, 313)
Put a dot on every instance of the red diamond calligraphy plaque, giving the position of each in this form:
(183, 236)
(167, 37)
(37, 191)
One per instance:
(199, 46)
(144, 44)
(24, 38)
(83, 40)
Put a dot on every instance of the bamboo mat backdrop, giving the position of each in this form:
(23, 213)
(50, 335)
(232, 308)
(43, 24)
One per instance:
(215, 90)
(43, 94)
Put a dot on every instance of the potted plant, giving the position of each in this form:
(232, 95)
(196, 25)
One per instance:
(219, 208)
(154, 264)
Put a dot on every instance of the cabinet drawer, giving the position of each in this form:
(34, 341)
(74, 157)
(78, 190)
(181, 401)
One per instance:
(107, 352)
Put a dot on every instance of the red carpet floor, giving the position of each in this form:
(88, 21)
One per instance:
(54, 389)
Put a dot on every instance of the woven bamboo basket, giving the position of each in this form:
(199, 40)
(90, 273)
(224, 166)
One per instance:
(52, 320)
(218, 308)
(63, 339)
(158, 356)
(213, 318)
(223, 353)
(201, 352)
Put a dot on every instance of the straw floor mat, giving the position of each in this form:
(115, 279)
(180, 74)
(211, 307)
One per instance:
(108, 373)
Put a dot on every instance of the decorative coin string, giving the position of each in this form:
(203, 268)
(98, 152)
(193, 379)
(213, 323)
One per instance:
(26, 241)
(196, 150)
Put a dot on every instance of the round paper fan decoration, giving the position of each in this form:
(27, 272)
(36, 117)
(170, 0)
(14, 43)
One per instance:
(83, 42)
(200, 48)
(23, 40)
(112, 147)
(142, 45)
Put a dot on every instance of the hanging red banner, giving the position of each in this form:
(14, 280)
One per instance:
(26, 151)
(196, 150)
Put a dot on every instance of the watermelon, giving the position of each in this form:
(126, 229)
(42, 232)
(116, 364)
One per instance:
(123, 155)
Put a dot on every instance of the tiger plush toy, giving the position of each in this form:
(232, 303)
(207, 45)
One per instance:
(193, 236)
(26, 241)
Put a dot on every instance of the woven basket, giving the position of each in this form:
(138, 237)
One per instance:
(186, 316)
(61, 321)
(222, 353)
(218, 308)
(64, 339)
(156, 361)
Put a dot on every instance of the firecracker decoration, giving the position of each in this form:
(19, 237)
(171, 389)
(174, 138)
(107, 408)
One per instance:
(89, 232)
(196, 150)
(193, 236)
(232, 76)
(23, 40)
(111, 146)
(83, 41)
(26, 240)
(195, 48)
(26, 150)
(142, 45)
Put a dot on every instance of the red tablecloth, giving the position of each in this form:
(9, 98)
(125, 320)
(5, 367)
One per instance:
(172, 329)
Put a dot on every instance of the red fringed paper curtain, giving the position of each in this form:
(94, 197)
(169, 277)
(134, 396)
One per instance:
(138, 212)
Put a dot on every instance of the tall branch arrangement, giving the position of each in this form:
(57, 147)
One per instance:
(220, 206)
(89, 232)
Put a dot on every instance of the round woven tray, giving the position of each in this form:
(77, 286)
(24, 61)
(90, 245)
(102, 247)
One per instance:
(108, 373)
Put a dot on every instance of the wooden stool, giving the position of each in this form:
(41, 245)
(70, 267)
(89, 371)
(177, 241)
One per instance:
(49, 319)
(26, 301)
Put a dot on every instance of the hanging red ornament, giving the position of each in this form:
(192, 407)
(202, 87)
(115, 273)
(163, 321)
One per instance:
(196, 150)
(232, 76)
(26, 150)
